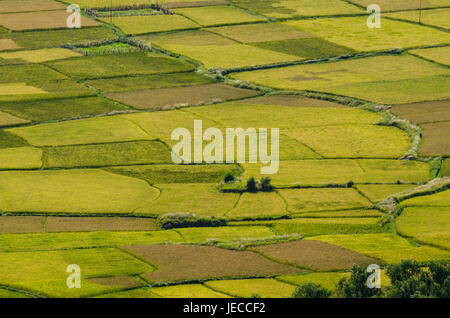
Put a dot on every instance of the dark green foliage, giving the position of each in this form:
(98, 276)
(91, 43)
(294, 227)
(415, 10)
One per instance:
(409, 280)
(356, 285)
(266, 186)
(229, 177)
(108, 49)
(54, 109)
(8, 140)
(180, 220)
(310, 48)
(252, 185)
(103, 66)
(311, 290)
(350, 184)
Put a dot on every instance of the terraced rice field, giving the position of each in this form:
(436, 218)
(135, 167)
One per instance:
(435, 17)
(395, 74)
(214, 51)
(153, 23)
(89, 118)
(40, 21)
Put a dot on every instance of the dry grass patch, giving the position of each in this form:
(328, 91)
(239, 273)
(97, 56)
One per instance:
(189, 262)
(291, 100)
(21, 224)
(91, 224)
(166, 98)
(314, 255)
(27, 5)
(9, 120)
(40, 20)
(8, 44)
(435, 139)
(424, 112)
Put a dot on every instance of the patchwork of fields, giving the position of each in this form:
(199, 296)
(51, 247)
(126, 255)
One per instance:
(87, 172)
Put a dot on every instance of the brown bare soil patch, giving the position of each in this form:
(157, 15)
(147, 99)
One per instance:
(189, 262)
(435, 139)
(8, 44)
(88, 224)
(173, 5)
(21, 224)
(291, 100)
(166, 98)
(117, 281)
(314, 255)
(40, 20)
(29, 5)
(424, 112)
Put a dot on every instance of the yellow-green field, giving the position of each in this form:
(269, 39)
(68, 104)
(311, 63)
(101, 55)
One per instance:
(90, 172)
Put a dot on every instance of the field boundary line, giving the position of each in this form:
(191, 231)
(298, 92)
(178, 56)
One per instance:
(234, 206)
(149, 200)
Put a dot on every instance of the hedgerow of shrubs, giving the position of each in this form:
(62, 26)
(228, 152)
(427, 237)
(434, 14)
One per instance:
(180, 220)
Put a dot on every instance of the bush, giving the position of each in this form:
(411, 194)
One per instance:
(311, 290)
(265, 184)
(409, 280)
(179, 220)
(252, 185)
(350, 184)
(229, 177)
(356, 285)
